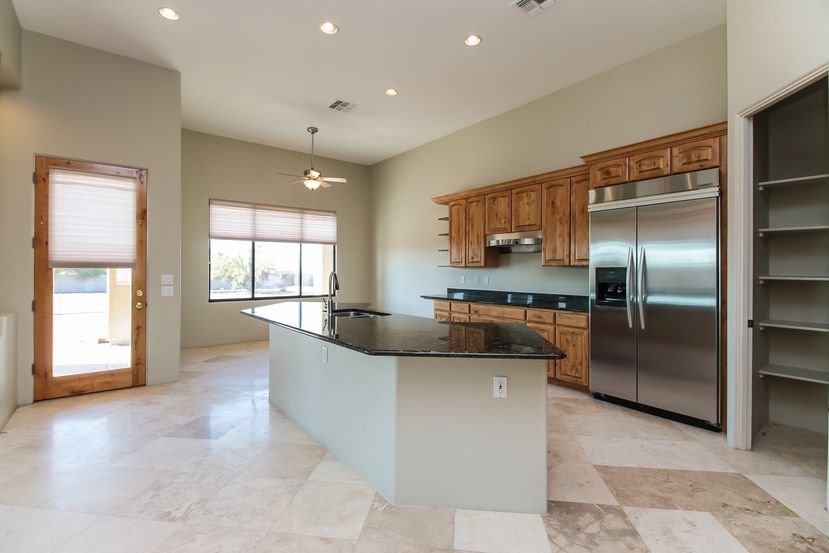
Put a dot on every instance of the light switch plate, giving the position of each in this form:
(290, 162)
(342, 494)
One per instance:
(166, 291)
(167, 279)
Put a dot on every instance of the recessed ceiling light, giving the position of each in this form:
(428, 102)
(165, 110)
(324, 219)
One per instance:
(472, 40)
(329, 28)
(169, 13)
(391, 92)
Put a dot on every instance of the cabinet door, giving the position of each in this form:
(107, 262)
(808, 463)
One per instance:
(650, 165)
(555, 245)
(475, 232)
(606, 173)
(573, 368)
(549, 334)
(579, 221)
(697, 155)
(457, 233)
(526, 208)
(499, 212)
(442, 315)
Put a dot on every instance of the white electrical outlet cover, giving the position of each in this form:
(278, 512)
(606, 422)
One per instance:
(167, 279)
(324, 354)
(499, 386)
(166, 291)
(463, 279)
(486, 280)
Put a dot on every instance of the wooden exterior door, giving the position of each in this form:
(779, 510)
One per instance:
(555, 245)
(90, 375)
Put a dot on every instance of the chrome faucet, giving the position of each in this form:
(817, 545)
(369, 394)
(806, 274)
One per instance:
(333, 286)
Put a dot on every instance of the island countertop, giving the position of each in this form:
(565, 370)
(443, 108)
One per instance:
(406, 335)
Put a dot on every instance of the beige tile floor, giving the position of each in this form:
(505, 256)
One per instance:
(207, 465)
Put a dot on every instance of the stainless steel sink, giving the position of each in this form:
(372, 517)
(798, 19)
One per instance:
(357, 313)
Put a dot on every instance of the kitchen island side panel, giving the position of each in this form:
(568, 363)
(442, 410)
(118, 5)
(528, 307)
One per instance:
(346, 403)
(458, 446)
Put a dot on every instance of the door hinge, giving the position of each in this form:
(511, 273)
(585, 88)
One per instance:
(33, 305)
(34, 177)
(33, 368)
(34, 242)
(751, 323)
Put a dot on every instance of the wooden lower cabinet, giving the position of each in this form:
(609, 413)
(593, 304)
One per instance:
(573, 368)
(442, 315)
(549, 334)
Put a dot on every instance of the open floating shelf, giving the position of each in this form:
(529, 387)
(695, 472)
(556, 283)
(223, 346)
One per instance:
(443, 234)
(796, 373)
(797, 181)
(794, 325)
(792, 230)
(443, 218)
(444, 250)
(792, 278)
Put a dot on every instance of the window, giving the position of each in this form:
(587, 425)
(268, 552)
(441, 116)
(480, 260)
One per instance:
(261, 251)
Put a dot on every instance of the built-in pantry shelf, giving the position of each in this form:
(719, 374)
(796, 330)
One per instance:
(792, 230)
(791, 278)
(796, 373)
(794, 325)
(443, 234)
(443, 218)
(797, 181)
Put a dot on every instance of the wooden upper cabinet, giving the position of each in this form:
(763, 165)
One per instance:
(555, 244)
(579, 220)
(457, 233)
(693, 156)
(607, 173)
(499, 212)
(573, 368)
(475, 231)
(649, 165)
(526, 208)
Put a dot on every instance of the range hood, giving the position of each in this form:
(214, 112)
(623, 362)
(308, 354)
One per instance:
(515, 242)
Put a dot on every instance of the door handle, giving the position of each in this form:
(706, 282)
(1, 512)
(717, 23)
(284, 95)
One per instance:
(640, 287)
(139, 305)
(629, 289)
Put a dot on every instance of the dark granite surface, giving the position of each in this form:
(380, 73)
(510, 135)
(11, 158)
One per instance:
(559, 302)
(405, 335)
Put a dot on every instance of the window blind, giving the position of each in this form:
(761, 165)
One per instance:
(264, 223)
(91, 220)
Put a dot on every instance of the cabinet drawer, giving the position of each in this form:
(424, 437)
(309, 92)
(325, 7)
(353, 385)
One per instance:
(650, 164)
(459, 307)
(542, 316)
(442, 315)
(694, 156)
(606, 173)
(500, 312)
(577, 320)
(458, 318)
(441, 305)
(482, 319)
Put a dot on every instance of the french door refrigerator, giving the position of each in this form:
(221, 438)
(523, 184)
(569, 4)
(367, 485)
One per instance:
(655, 294)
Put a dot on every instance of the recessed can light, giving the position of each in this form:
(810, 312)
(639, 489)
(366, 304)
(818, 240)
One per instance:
(472, 40)
(169, 13)
(329, 28)
(391, 92)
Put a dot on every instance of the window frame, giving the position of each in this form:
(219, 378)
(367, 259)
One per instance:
(253, 274)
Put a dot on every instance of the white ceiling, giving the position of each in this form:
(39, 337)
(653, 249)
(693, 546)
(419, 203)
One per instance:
(260, 70)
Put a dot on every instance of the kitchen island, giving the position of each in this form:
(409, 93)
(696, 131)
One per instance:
(407, 402)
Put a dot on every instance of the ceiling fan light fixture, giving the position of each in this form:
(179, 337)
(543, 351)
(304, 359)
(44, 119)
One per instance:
(329, 28)
(392, 92)
(168, 13)
(312, 184)
(472, 40)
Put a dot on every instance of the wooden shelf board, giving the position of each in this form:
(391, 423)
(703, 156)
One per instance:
(793, 278)
(794, 325)
(796, 373)
(443, 218)
(443, 250)
(443, 234)
(797, 181)
(792, 230)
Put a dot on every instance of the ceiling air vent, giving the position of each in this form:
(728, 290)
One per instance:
(342, 105)
(533, 7)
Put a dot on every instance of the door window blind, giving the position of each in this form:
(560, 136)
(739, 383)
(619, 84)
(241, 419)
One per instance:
(91, 220)
(264, 223)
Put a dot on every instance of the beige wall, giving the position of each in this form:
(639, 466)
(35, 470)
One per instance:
(81, 103)
(215, 167)
(9, 46)
(674, 89)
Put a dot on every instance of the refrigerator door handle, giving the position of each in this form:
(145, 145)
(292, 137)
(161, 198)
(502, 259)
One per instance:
(640, 287)
(629, 289)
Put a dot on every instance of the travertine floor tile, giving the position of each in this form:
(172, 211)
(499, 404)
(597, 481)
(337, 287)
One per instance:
(578, 482)
(804, 495)
(291, 461)
(275, 542)
(583, 527)
(490, 532)
(770, 534)
(120, 535)
(174, 495)
(413, 527)
(27, 530)
(327, 510)
(674, 531)
(331, 469)
(206, 427)
(191, 538)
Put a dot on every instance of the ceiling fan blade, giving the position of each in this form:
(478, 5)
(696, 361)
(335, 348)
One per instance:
(335, 179)
(325, 184)
(290, 175)
(296, 181)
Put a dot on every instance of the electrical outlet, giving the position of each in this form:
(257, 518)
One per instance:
(486, 280)
(476, 280)
(463, 279)
(324, 354)
(499, 386)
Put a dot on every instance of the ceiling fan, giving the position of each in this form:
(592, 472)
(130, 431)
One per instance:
(311, 178)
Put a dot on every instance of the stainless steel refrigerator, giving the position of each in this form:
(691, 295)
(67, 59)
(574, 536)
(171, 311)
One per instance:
(655, 294)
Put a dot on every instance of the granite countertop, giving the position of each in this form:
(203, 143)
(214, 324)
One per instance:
(559, 302)
(405, 335)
